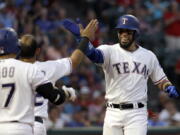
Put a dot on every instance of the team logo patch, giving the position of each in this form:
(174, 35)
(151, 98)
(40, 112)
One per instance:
(124, 20)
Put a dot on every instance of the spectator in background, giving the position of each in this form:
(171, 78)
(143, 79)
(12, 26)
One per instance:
(177, 71)
(172, 38)
(54, 121)
(96, 107)
(79, 119)
(100, 119)
(172, 26)
(43, 22)
(7, 18)
(52, 54)
(126, 3)
(57, 119)
(155, 122)
(28, 28)
(170, 114)
(84, 100)
(163, 99)
(156, 8)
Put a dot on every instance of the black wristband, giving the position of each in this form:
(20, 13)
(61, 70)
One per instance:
(83, 45)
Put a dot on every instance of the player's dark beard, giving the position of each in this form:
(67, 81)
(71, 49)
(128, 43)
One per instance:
(125, 46)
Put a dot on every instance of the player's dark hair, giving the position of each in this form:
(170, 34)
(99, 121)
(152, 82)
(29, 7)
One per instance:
(28, 46)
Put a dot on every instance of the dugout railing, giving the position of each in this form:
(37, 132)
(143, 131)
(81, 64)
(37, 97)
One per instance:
(98, 131)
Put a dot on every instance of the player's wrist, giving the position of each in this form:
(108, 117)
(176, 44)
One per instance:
(83, 45)
(166, 85)
(85, 37)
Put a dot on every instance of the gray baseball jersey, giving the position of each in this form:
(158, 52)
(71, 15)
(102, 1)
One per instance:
(18, 82)
(126, 73)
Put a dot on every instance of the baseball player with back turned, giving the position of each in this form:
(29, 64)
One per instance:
(127, 67)
(18, 83)
(53, 69)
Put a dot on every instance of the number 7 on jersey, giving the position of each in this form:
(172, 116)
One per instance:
(6, 92)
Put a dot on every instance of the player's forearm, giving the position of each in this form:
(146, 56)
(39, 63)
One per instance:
(76, 58)
(78, 54)
(55, 96)
(92, 53)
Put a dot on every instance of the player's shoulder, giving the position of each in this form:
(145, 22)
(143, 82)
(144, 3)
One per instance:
(47, 63)
(53, 63)
(19, 62)
(108, 46)
(147, 51)
(23, 66)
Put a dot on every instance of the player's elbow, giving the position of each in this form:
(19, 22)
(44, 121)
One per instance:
(55, 96)
(74, 62)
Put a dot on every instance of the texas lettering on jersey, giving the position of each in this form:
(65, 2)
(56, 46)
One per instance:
(127, 73)
(139, 68)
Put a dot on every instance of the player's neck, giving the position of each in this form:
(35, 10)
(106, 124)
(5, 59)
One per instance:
(8, 56)
(133, 47)
(29, 60)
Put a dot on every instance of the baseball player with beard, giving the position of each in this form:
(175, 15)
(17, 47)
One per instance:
(18, 83)
(127, 67)
(53, 70)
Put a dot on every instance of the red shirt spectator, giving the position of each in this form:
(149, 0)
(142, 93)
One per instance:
(172, 20)
(174, 27)
(125, 3)
(177, 68)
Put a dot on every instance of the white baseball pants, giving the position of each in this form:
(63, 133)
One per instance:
(15, 128)
(125, 122)
(39, 128)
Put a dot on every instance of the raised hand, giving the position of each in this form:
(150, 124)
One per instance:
(90, 29)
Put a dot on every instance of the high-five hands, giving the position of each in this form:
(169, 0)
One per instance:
(90, 29)
(79, 31)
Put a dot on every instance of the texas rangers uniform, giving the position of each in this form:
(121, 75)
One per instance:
(127, 68)
(53, 70)
(126, 75)
(18, 82)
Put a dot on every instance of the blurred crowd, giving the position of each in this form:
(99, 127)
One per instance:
(160, 32)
